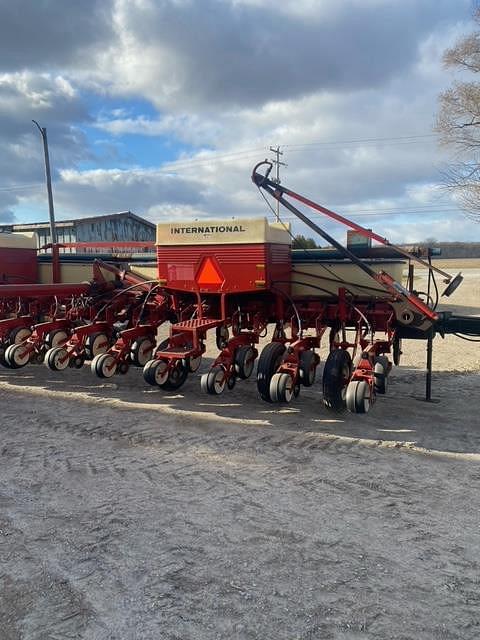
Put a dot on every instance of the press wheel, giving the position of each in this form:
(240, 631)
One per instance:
(214, 381)
(177, 374)
(104, 365)
(141, 351)
(155, 372)
(17, 356)
(358, 398)
(381, 374)
(57, 359)
(281, 387)
(308, 368)
(244, 361)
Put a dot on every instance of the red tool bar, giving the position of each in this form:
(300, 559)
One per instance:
(43, 290)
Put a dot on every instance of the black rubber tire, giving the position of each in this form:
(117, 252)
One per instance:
(396, 350)
(268, 363)
(94, 344)
(244, 361)
(19, 335)
(336, 374)
(307, 368)
(177, 376)
(141, 351)
(381, 374)
(222, 335)
(77, 362)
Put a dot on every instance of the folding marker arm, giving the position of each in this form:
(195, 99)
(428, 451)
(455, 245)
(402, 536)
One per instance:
(278, 192)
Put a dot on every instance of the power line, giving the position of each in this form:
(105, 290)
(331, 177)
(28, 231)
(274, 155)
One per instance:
(18, 187)
(413, 139)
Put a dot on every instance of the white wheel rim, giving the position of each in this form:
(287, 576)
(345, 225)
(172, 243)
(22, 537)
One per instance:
(58, 361)
(289, 388)
(58, 339)
(366, 396)
(161, 372)
(107, 366)
(22, 335)
(194, 363)
(143, 352)
(99, 344)
(19, 355)
(219, 382)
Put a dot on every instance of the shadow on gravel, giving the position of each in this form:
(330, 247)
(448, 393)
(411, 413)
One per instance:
(449, 423)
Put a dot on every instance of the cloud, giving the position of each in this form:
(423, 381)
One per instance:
(52, 34)
(140, 190)
(190, 55)
(218, 82)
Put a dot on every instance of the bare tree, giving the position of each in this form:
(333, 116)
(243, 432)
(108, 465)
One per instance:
(458, 123)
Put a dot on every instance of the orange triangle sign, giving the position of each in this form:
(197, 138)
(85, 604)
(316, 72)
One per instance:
(209, 273)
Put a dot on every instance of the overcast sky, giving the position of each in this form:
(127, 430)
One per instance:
(164, 106)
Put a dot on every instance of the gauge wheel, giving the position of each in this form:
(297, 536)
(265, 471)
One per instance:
(222, 336)
(194, 362)
(358, 398)
(17, 356)
(380, 373)
(397, 350)
(177, 375)
(244, 361)
(19, 335)
(56, 338)
(37, 357)
(104, 365)
(141, 351)
(57, 359)
(281, 387)
(269, 361)
(336, 375)
(155, 372)
(308, 367)
(214, 381)
(95, 344)
(77, 362)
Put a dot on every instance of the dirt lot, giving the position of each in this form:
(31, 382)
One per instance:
(130, 513)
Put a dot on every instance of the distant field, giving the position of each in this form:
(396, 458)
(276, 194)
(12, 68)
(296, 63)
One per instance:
(458, 263)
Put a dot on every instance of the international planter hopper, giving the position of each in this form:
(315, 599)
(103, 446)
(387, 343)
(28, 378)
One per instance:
(241, 279)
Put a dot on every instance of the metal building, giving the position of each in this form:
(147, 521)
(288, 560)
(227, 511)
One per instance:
(124, 226)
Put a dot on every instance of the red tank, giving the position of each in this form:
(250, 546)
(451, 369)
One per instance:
(18, 258)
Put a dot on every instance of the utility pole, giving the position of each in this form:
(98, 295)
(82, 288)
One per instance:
(276, 161)
(53, 231)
